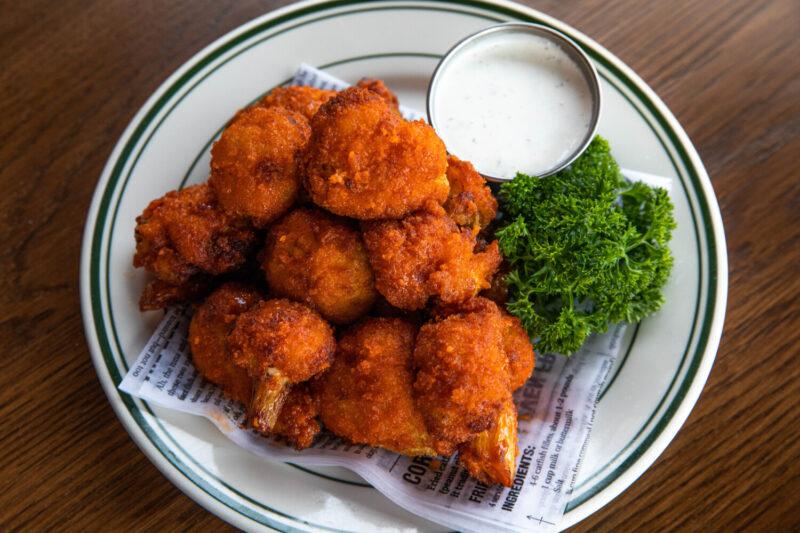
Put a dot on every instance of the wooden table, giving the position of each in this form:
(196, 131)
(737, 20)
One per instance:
(73, 74)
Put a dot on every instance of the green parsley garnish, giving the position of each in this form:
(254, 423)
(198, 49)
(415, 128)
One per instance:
(586, 249)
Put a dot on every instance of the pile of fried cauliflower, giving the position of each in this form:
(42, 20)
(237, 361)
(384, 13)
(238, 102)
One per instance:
(340, 265)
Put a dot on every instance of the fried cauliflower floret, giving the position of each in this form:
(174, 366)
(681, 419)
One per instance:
(515, 341)
(279, 343)
(208, 333)
(366, 395)
(297, 420)
(298, 98)
(184, 233)
(378, 87)
(253, 167)
(491, 455)
(159, 294)
(320, 259)
(462, 374)
(470, 202)
(365, 161)
(426, 254)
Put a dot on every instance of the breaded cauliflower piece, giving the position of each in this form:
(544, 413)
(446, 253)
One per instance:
(208, 338)
(470, 203)
(184, 233)
(367, 394)
(208, 332)
(253, 168)
(426, 255)
(462, 373)
(279, 343)
(516, 343)
(367, 162)
(319, 259)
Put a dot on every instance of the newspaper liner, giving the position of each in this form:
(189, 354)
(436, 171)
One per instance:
(556, 412)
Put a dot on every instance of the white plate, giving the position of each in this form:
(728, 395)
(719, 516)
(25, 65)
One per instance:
(664, 361)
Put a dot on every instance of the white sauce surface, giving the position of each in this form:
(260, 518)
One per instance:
(512, 103)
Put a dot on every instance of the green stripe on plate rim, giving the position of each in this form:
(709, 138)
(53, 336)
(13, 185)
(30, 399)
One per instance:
(108, 193)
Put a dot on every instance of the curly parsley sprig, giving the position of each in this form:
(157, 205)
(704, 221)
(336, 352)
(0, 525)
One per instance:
(586, 249)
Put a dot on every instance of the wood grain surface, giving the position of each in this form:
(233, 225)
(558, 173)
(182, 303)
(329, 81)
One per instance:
(72, 75)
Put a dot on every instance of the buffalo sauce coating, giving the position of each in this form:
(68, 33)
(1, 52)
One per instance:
(253, 165)
(462, 378)
(185, 233)
(424, 255)
(365, 161)
(208, 333)
(367, 395)
(282, 335)
(319, 259)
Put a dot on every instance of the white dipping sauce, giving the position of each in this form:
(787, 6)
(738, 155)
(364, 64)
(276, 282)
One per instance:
(511, 103)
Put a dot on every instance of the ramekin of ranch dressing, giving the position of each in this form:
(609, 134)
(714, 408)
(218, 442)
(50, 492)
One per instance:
(514, 98)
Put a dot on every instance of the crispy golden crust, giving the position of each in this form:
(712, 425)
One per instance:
(184, 233)
(365, 161)
(253, 167)
(515, 341)
(297, 420)
(298, 98)
(378, 87)
(208, 332)
(366, 395)
(282, 335)
(159, 294)
(462, 376)
(519, 351)
(424, 255)
(319, 259)
(470, 202)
